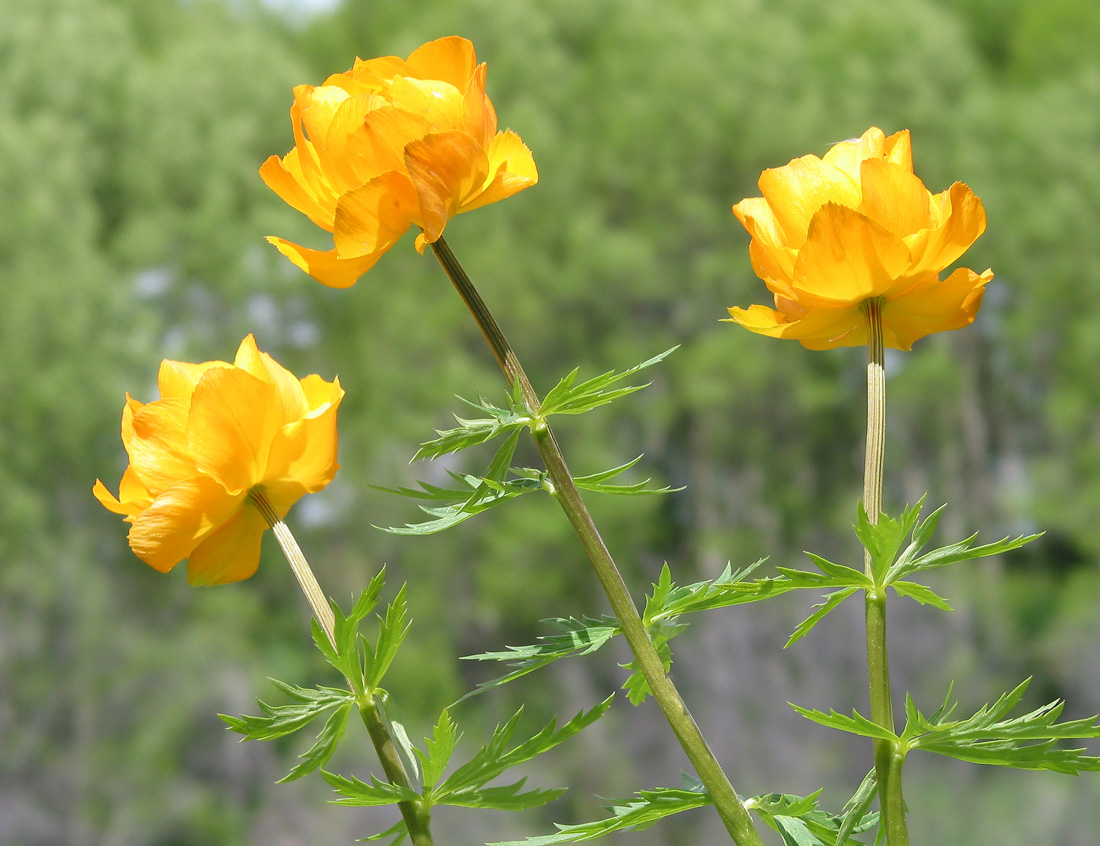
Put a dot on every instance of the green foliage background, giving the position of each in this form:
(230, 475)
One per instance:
(131, 230)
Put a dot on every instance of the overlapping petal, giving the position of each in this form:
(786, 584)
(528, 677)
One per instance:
(219, 433)
(830, 233)
(392, 144)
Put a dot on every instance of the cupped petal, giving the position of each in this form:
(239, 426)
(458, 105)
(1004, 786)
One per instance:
(371, 219)
(511, 169)
(479, 118)
(292, 400)
(894, 198)
(234, 417)
(122, 504)
(849, 155)
(284, 177)
(933, 305)
(450, 59)
(313, 176)
(437, 101)
(898, 149)
(820, 328)
(177, 520)
(303, 456)
(378, 144)
(326, 266)
(847, 258)
(445, 168)
(158, 444)
(797, 190)
(231, 553)
(177, 379)
(962, 221)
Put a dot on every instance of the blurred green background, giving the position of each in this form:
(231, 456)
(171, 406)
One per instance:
(131, 224)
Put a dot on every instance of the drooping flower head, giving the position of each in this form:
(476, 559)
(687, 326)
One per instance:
(832, 233)
(393, 143)
(219, 432)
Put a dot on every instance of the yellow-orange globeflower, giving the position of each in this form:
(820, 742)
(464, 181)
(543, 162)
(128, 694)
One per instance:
(832, 233)
(219, 432)
(393, 143)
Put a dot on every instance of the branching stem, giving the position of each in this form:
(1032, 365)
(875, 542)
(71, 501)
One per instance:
(734, 815)
(417, 818)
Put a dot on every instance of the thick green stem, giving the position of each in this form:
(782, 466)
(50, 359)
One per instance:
(417, 818)
(888, 758)
(736, 818)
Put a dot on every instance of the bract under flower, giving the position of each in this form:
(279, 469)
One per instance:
(832, 233)
(393, 143)
(218, 432)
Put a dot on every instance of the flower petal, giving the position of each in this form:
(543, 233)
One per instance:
(450, 59)
(326, 266)
(933, 305)
(158, 444)
(231, 553)
(176, 521)
(234, 417)
(445, 168)
(894, 198)
(303, 455)
(284, 177)
(177, 379)
(373, 217)
(796, 191)
(963, 222)
(847, 258)
(292, 400)
(511, 168)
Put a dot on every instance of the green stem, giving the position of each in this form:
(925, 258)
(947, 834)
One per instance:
(736, 818)
(888, 758)
(417, 818)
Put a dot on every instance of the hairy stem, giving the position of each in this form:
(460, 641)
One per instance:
(734, 815)
(888, 758)
(416, 817)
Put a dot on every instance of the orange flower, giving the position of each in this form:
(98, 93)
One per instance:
(219, 432)
(831, 233)
(391, 144)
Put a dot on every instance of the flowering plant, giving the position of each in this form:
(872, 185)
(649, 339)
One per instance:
(852, 247)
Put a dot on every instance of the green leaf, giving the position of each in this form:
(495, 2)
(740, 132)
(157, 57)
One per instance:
(855, 724)
(440, 747)
(595, 482)
(854, 818)
(953, 554)
(505, 798)
(831, 603)
(398, 831)
(281, 720)
(474, 495)
(800, 822)
(989, 737)
(921, 593)
(569, 398)
(359, 793)
(464, 785)
(884, 538)
(578, 637)
(396, 730)
(391, 633)
(632, 814)
(330, 736)
(470, 433)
